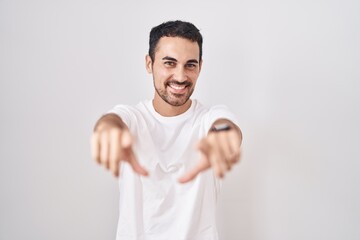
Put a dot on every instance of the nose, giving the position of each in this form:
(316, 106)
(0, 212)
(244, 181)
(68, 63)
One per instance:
(180, 74)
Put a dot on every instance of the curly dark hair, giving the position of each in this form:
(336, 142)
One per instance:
(174, 29)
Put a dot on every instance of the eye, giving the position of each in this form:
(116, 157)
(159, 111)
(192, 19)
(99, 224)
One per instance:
(190, 65)
(169, 63)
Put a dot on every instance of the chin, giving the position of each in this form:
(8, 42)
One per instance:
(175, 103)
(174, 99)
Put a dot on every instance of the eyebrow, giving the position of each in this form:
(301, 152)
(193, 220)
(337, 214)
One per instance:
(175, 60)
(192, 61)
(170, 59)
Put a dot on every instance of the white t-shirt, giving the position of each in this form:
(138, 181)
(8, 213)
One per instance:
(158, 207)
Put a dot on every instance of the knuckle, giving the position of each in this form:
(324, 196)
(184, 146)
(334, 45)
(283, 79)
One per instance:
(103, 137)
(115, 133)
(211, 137)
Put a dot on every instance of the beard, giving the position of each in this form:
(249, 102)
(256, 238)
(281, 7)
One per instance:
(174, 99)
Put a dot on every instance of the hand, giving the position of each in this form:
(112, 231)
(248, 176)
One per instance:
(111, 144)
(219, 150)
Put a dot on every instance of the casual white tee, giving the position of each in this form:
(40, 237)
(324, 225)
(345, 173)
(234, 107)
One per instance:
(158, 207)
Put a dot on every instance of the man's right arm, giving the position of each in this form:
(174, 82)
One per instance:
(111, 144)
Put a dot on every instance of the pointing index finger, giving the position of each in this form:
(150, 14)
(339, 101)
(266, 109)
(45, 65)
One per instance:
(201, 166)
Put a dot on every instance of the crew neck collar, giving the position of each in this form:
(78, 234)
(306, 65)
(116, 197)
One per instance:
(182, 116)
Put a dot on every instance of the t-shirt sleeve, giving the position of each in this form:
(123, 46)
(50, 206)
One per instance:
(217, 112)
(124, 112)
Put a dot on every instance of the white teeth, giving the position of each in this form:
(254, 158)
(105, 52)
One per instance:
(177, 87)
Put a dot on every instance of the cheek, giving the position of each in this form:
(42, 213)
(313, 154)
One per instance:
(159, 78)
(162, 75)
(193, 76)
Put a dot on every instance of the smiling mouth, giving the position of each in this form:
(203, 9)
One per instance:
(178, 88)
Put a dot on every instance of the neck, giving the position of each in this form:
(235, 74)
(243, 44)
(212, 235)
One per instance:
(167, 110)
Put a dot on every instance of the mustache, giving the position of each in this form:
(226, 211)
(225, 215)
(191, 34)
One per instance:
(186, 83)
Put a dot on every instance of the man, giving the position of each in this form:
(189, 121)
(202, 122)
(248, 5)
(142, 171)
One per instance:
(169, 188)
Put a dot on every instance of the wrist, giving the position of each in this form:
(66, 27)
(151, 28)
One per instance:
(220, 127)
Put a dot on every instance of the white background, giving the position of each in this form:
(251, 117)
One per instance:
(289, 69)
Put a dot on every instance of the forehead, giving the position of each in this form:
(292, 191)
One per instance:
(179, 48)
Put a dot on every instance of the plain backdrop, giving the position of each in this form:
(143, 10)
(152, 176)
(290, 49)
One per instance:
(290, 70)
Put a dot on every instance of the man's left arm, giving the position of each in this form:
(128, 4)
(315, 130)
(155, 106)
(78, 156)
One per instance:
(220, 150)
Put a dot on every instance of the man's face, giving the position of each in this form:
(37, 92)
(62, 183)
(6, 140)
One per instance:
(175, 69)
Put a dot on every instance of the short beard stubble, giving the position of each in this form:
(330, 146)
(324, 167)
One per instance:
(175, 100)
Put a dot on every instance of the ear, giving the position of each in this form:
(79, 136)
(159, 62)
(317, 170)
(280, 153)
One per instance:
(148, 64)
(200, 65)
